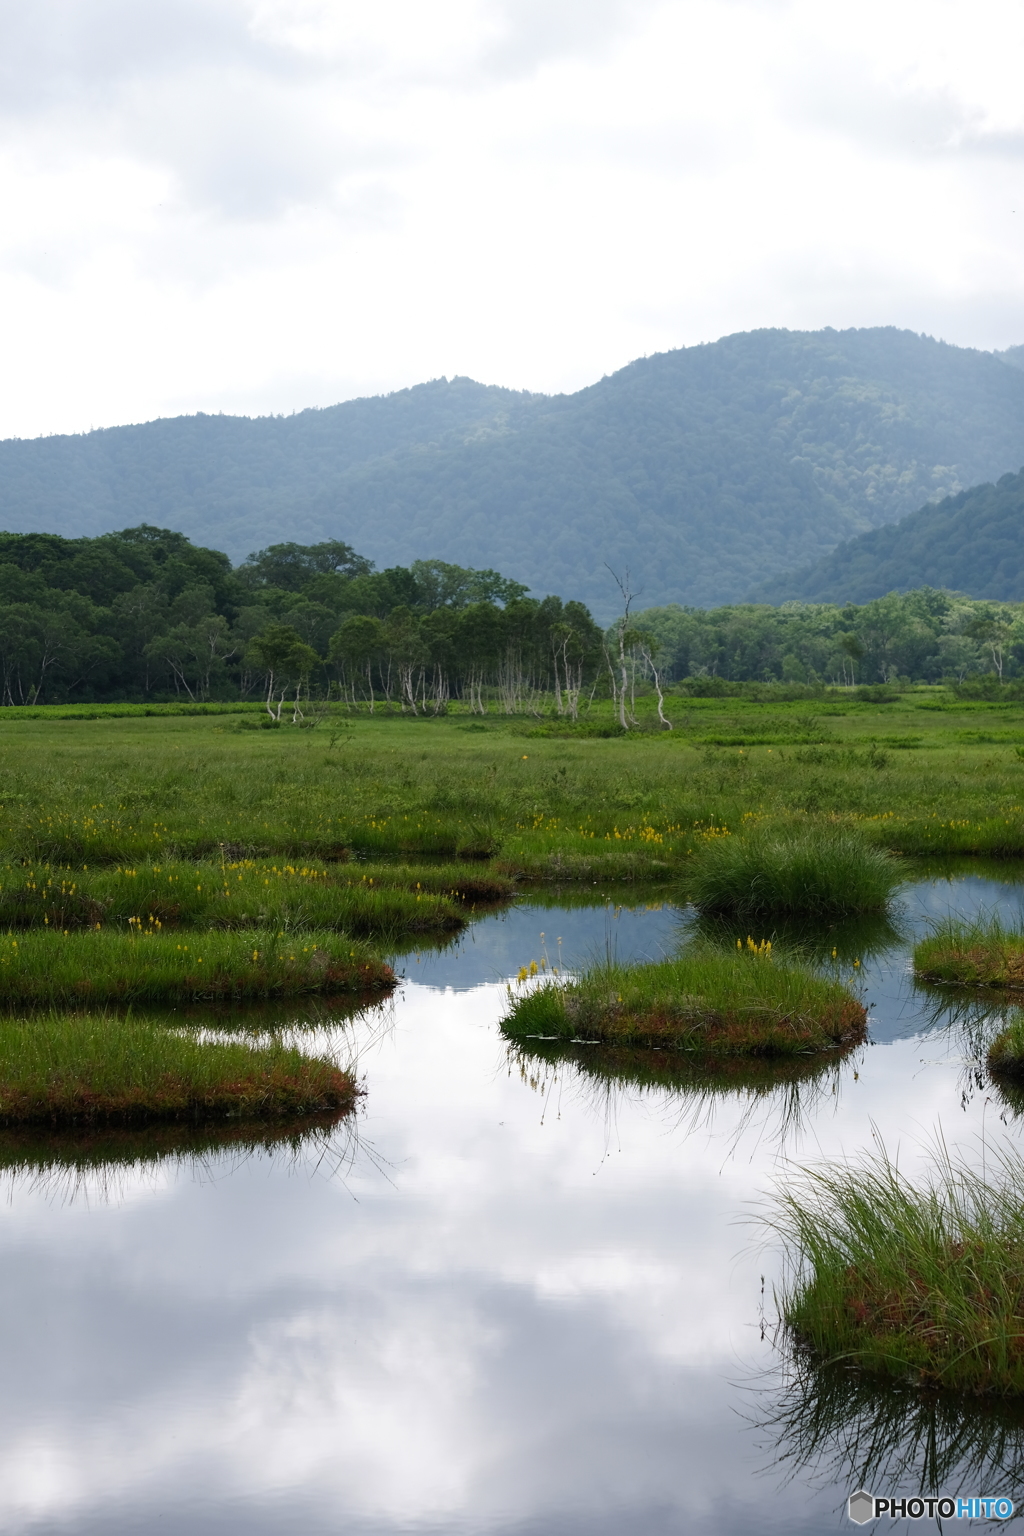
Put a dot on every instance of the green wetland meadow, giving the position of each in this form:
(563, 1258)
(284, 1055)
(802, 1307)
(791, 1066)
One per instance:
(365, 941)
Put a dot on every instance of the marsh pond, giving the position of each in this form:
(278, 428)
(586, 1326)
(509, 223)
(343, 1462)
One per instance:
(521, 1292)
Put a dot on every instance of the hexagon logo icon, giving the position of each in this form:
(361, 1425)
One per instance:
(860, 1507)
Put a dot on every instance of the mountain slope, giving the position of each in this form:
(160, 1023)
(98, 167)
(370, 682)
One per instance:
(972, 543)
(701, 470)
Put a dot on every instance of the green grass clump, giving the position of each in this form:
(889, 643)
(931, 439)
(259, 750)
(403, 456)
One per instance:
(925, 1283)
(978, 953)
(818, 872)
(708, 1002)
(243, 894)
(41, 966)
(62, 1067)
(1006, 1053)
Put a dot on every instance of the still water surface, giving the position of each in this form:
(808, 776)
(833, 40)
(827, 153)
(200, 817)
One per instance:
(513, 1302)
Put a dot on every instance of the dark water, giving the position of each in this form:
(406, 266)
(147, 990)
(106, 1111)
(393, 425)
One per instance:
(512, 1301)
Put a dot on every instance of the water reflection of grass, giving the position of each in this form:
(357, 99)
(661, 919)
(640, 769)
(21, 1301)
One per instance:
(783, 1093)
(265, 1016)
(839, 1427)
(867, 936)
(101, 1160)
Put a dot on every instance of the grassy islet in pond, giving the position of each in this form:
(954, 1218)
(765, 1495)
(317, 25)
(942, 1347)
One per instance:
(983, 952)
(62, 1154)
(710, 1002)
(59, 1067)
(106, 966)
(921, 1282)
(238, 894)
(819, 872)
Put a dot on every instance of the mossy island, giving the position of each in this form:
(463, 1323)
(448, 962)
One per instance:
(711, 1004)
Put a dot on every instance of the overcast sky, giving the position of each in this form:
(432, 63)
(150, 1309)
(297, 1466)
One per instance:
(258, 205)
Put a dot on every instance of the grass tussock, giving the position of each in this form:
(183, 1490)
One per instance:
(100, 967)
(708, 1002)
(922, 1282)
(815, 873)
(981, 953)
(69, 1067)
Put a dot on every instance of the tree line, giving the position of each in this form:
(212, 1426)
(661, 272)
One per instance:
(144, 614)
(925, 635)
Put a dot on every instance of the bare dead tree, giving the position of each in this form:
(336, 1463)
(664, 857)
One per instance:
(623, 635)
(648, 648)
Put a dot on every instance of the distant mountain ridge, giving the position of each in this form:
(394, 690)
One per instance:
(971, 543)
(701, 471)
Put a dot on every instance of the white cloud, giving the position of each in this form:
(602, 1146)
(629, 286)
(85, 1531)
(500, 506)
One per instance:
(260, 206)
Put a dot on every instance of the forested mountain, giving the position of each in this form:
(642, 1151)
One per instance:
(700, 470)
(971, 543)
